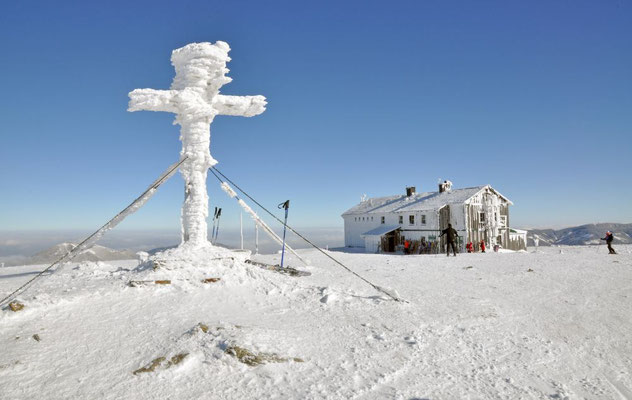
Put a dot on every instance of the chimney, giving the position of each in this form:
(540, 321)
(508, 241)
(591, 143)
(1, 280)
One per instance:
(445, 186)
(410, 191)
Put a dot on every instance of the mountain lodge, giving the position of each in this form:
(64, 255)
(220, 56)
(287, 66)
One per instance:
(382, 224)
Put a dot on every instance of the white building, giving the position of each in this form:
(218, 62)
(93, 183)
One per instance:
(478, 213)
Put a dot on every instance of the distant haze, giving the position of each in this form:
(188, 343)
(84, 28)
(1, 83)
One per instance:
(19, 245)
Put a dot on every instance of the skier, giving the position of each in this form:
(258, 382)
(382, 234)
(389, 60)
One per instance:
(452, 235)
(482, 246)
(609, 238)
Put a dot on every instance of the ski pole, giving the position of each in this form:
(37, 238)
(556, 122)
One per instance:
(214, 218)
(219, 214)
(286, 206)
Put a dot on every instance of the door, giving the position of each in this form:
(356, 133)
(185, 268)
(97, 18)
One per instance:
(388, 242)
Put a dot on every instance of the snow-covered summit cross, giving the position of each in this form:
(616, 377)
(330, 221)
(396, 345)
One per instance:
(194, 98)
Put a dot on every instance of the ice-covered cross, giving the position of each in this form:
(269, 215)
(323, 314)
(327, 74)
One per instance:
(194, 98)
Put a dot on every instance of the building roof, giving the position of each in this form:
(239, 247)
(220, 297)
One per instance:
(381, 230)
(427, 201)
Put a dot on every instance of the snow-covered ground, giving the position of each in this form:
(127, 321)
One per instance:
(551, 324)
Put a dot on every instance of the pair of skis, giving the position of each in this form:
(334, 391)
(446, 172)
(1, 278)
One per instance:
(215, 232)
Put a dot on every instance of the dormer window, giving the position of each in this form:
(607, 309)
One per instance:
(401, 219)
(383, 219)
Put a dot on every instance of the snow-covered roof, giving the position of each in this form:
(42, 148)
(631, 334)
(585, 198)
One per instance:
(427, 201)
(381, 230)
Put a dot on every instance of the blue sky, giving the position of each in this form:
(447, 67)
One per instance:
(534, 98)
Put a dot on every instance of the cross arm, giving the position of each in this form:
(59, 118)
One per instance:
(152, 100)
(246, 106)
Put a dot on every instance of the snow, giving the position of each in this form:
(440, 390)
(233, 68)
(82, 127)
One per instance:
(381, 230)
(228, 190)
(495, 325)
(426, 201)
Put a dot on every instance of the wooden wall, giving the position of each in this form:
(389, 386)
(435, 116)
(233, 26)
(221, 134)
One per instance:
(475, 230)
(516, 244)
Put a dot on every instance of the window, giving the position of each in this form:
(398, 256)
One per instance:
(481, 217)
(411, 220)
(423, 219)
(383, 219)
(401, 219)
(371, 218)
(503, 221)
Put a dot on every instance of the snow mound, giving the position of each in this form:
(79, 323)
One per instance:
(192, 265)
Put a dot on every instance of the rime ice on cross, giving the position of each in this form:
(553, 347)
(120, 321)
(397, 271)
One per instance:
(194, 98)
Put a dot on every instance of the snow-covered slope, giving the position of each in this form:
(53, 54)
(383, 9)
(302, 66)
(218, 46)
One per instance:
(96, 253)
(549, 324)
(581, 235)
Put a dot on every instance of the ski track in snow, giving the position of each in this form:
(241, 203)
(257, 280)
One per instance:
(478, 326)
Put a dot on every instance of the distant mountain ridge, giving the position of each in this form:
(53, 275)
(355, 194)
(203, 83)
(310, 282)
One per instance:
(589, 234)
(96, 253)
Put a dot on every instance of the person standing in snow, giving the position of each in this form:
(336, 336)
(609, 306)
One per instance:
(609, 238)
(406, 246)
(452, 235)
(423, 246)
(482, 246)
(470, 247)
